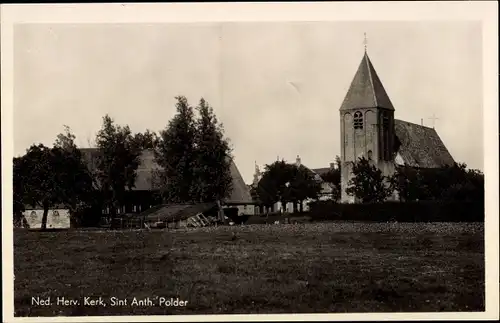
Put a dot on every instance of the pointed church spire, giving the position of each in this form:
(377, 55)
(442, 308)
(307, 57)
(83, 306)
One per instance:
(366, 90)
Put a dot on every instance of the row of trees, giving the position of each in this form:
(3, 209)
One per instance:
(283, 182)
(192, 151)
(454, 182)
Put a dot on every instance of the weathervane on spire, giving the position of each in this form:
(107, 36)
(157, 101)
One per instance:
(433, 118)
(365, 42)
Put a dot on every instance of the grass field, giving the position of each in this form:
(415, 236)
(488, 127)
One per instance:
(304, 268)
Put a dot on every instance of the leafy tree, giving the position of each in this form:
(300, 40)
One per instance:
(266, 191)
(175, 154)
(275, 183)
(435, 183)
(469, 187)
(194, 155)
(86, 197)
(283, 182)
(333, 177)
(368, 183)
(476, 179)
(212, 174)
(453, 182)
(19, 178)
(66, 140)
(50, 176)
(146, 140)
(117, 162)
(407, 182)
(38, 180)
(302, 186)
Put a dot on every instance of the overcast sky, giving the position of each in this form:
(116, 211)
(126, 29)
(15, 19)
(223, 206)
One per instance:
(277, 87)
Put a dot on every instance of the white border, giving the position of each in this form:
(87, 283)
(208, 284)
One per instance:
(486, 12)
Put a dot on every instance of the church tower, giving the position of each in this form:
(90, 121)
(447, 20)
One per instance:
(366, 125)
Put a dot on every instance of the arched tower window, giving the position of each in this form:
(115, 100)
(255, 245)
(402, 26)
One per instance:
(358, 120)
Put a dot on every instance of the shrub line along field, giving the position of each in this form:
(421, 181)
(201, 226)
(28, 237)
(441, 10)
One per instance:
(257, 269)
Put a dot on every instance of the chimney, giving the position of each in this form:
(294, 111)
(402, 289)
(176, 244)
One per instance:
(332, 165)
(421, 122)
(297, 160)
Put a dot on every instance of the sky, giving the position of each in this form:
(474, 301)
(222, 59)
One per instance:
(276, 86)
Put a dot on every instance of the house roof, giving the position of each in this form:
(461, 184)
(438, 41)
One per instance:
(148, 175)
(317, 173)
(240, 193)
(420, 146)
(321, 171)
(366, 90)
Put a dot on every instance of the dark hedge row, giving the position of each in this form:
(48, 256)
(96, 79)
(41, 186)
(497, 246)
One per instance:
(421, 211)
(282, 218)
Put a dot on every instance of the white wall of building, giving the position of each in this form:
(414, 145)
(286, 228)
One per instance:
(56, 219)
(245, 209)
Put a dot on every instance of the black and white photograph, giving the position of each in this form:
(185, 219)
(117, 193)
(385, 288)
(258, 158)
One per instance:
(179, 161)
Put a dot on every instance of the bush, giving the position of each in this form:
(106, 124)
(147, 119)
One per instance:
(420, 211)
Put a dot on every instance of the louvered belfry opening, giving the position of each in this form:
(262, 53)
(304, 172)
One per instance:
(358, 120)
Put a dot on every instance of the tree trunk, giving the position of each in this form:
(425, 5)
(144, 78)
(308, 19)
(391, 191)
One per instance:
(25, 223)
(45, 215)
(295, 206)
(301, 204)
(220, 211)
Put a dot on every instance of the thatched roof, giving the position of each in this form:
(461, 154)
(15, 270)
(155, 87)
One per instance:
(420, 146)
(240, 193)
(148, 175)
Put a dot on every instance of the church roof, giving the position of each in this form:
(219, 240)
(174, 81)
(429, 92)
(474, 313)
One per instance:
(148, 175)
(420, 146)
(366, 90)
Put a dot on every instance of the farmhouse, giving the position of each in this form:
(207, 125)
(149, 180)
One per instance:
(368, 129)
(147, 183)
